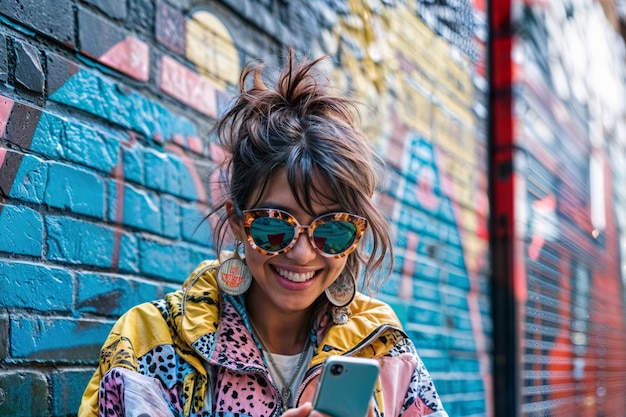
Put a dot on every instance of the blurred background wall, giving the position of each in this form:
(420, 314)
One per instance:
(558, 136)
(502, 126)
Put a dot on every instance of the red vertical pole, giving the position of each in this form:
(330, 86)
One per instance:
(506, 347)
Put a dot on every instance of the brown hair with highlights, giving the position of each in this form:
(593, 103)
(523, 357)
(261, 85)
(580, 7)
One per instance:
(296, 124)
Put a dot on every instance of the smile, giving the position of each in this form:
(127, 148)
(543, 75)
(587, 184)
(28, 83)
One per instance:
(293, 276)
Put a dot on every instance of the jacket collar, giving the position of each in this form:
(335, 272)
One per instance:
(217, 326)
(211, 324)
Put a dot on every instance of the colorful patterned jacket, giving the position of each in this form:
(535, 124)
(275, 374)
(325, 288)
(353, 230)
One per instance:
(192, 354)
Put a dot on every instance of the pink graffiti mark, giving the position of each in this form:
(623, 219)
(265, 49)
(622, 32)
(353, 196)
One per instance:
(216, 181)
(130, 56)
(188, 87)
(179, 139)
(405, 291)
(6, 106)
(218, 155)
(118, 174)
(193, 143)
(201, 194)
(197, 181)
(424, 190)
(214, 190)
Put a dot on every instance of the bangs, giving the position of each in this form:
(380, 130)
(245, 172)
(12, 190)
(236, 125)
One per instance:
(313, 184)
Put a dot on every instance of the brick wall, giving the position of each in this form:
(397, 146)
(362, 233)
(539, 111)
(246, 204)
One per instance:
(105, 160)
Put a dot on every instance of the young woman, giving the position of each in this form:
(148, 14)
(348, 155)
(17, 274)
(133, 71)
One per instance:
(247, 334)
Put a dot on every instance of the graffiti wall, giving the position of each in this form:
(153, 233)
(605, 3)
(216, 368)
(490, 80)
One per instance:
(105, 163)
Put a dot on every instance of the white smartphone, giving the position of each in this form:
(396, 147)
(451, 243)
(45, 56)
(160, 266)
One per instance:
(345, 386)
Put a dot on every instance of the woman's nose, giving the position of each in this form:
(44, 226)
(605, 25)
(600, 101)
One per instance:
(303, 251)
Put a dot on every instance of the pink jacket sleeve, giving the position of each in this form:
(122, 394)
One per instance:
(408, 389)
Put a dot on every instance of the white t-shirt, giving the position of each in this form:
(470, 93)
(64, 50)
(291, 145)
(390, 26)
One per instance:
(287, 366)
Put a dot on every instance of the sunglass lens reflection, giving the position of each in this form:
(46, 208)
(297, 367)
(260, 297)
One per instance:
(334, 237)
(271, 234)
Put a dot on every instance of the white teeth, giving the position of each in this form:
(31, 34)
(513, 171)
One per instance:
(292, 276)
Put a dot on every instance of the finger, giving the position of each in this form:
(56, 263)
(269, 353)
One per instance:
(315, 413)
(301, 411)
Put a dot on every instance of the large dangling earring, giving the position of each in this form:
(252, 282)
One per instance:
(233, 275)
(340, 294)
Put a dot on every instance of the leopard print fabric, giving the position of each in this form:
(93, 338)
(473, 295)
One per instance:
(111, 396)
(120, 353)
(243, 382)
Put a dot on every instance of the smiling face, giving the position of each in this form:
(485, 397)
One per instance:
(290, 281)
(282, 134)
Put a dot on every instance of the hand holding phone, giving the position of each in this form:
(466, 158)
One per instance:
(345, 386)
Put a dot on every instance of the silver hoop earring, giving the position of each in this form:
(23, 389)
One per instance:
(233, 275)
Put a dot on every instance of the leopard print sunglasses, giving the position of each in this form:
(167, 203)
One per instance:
(273, 231)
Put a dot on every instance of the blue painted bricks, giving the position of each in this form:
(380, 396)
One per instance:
(36, 286)
(66, 388)
(21, 230)
(30, 180)
(75, 190)
(112, 294)
(52, 338)
(20, 388)
(78, 242)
